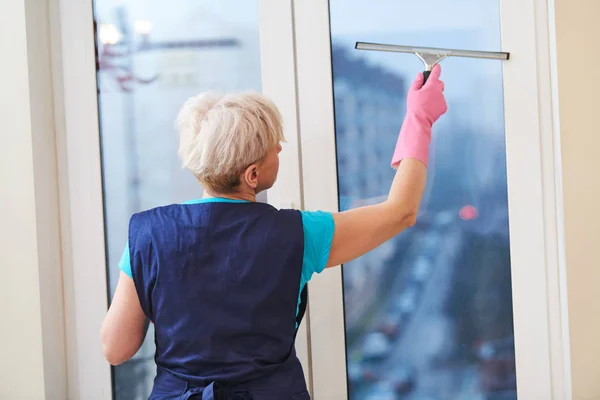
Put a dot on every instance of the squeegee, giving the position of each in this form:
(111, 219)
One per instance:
(431, 55)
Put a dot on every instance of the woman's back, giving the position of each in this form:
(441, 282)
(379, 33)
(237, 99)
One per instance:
(220, 281)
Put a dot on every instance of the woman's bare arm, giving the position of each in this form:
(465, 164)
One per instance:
(360, 230)
(123, 329)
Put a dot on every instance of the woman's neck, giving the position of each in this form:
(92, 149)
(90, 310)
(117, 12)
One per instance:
(241, 195)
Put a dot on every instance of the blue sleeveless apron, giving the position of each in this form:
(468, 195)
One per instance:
(220, 281)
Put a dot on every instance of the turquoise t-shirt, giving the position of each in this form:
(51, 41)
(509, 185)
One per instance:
(318, 235)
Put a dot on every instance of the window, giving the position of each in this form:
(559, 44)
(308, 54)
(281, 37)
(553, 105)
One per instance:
(434, 317)
(152, 56)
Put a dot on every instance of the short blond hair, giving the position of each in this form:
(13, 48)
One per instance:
(221, 135)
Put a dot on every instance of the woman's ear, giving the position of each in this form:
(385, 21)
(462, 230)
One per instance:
(251, 175)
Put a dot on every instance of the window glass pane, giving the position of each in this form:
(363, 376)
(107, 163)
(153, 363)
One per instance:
(152, 56)
(429, 314)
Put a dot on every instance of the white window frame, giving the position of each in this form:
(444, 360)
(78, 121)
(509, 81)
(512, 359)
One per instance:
(80, 175)
(534, 184)
(295, 55)
(278, 64)
(80, 193)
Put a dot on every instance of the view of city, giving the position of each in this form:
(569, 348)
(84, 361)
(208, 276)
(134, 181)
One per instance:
(428, 314)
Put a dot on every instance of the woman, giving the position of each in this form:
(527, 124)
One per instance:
(221, 277)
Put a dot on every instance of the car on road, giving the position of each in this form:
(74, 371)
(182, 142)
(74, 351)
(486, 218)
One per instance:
(443, 219)
(391, 325)
(431, 241)
(406, 302)
(504, 395)
(376, 346)
(403, 379)
(497, 372)
(382, 391)
(355, 372)
(360, 373)
(421, 269)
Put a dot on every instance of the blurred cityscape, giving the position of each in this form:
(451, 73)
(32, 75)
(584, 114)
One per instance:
(428, 314)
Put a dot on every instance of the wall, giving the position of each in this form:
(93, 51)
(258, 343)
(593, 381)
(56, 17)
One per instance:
(21, 371)
(33, 350)
(577, 31)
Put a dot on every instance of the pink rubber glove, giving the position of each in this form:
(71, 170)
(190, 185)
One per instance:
(424, 105)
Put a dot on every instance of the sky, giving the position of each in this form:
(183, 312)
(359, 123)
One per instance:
(435, 23)
(376, 16)
(460, 24)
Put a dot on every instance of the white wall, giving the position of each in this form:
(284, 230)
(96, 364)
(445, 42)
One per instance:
(33, 351)
(577, 34)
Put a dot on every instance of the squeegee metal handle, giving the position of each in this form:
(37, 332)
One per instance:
(429, 61)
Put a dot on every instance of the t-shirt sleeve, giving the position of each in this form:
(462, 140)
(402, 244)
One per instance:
(318, 235)
(125, 263)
